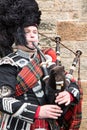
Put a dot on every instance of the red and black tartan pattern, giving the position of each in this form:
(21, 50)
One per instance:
(28, 76)
(73, 117)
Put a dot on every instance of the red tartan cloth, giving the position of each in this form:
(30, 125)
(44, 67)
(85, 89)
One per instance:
(51, 53)
(39, 123)
(28, 76)
(73, 117)
(77, 118)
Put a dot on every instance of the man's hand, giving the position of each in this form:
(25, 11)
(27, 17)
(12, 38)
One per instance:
(63, 98)
(50, 111)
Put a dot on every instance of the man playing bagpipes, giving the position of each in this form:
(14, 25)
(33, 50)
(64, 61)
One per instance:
(24, 96)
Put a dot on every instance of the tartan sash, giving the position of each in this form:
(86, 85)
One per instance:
(28, 76)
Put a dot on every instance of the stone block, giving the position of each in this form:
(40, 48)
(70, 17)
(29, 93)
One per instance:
(72, 30)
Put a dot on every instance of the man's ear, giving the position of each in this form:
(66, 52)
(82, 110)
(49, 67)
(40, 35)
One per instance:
(19, 37)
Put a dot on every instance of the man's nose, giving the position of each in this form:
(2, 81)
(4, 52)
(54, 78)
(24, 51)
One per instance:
(32, 35)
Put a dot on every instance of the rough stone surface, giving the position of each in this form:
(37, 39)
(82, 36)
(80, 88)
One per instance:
(72, 30)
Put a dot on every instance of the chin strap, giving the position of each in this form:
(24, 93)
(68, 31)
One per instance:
(29, 48)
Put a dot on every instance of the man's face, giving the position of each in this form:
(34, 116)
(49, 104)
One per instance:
(31, 34)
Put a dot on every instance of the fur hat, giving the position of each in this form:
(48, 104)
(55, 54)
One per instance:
(14, 16)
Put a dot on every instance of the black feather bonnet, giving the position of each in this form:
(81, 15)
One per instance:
(14, 16)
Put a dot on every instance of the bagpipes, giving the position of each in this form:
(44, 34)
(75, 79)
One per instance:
(68, 120)
(62, 80)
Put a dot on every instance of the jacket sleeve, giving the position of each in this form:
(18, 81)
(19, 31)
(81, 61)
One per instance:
(24, 111)
(73, 89)
(8, 102)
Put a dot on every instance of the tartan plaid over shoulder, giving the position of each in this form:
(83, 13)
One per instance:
(28, 76)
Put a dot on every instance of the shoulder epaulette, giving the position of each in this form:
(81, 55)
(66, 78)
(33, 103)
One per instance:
(19, 60)
(7, 60)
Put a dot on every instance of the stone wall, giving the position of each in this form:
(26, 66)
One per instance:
(67, 18)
